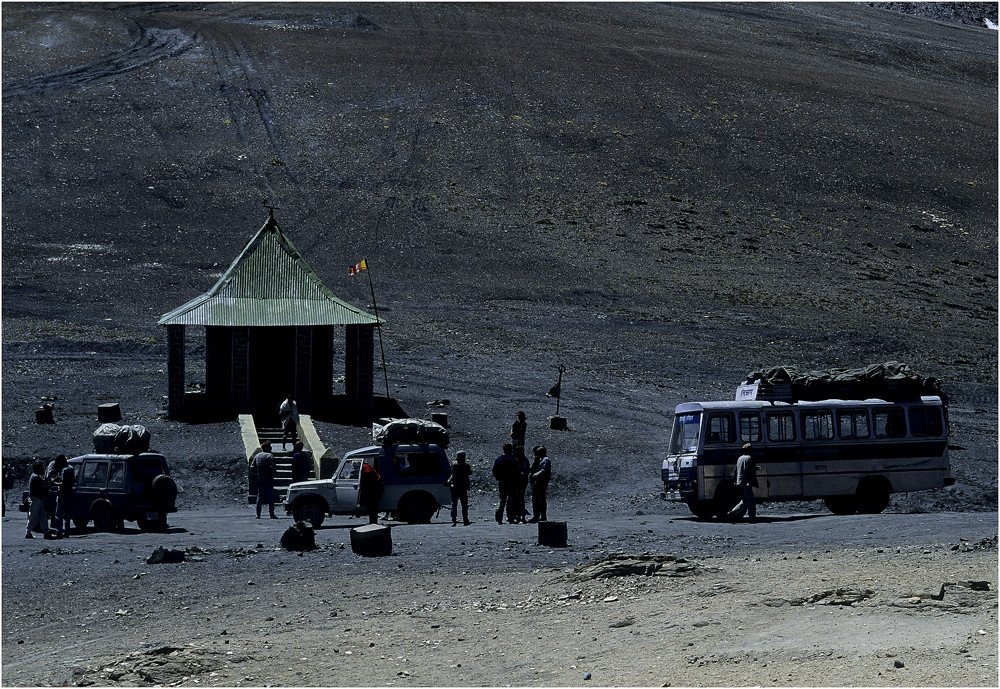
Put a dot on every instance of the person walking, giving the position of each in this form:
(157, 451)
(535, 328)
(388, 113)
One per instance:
(505, 471)
(371, 487)
(541, 472)
(300, 463)
(459, 481)
(263, 462)
(38, 490)
(746, 481)
(66, 483)
(288, 412)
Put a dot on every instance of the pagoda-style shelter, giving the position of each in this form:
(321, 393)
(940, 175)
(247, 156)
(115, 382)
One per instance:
(269, 331)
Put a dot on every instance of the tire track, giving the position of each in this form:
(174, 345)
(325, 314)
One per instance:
(249, 105)
(149, 45)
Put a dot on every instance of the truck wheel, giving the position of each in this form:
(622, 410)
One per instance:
(311, 511)
(417, 508)
(873, 494)
(104, 516)
(841, 504)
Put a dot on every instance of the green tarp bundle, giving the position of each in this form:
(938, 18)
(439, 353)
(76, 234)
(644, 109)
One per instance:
(891, 380)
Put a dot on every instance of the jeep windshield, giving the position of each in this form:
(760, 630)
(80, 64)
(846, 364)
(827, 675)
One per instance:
(684, 436)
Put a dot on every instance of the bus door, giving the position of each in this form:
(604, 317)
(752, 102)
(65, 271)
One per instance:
(721, 449)
(781, 458)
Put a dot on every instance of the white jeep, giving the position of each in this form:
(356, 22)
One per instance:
(414, 477)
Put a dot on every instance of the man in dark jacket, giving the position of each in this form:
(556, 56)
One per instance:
(506, 472)
(300, 463)
(263, 462)
(38, 491)
(541, 472)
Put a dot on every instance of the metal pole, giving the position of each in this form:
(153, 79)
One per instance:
(378, 324)
(559, 386)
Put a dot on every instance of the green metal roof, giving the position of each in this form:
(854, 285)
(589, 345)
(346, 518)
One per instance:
(269, 284)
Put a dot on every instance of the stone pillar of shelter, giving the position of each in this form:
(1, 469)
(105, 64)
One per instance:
(175, 371)
(359, 367)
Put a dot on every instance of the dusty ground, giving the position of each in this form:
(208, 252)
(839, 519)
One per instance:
(795, 600)
(662, 198)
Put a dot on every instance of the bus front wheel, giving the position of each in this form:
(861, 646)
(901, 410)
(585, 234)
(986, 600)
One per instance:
(873, 495)
(703, 509)
(726, 498)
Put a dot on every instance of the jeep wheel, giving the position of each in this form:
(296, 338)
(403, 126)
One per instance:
(158, 524)
(311, 511)
(417, 508)
(104, 516)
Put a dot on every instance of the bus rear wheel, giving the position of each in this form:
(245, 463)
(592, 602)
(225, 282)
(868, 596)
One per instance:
(873, 495)
(841, 504)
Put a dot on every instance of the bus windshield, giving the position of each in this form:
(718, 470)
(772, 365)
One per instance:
(684, 436)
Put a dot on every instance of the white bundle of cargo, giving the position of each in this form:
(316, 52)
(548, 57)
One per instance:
(113, 439)
(403, 431)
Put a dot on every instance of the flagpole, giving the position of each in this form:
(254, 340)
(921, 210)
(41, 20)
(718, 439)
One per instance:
(378, 324)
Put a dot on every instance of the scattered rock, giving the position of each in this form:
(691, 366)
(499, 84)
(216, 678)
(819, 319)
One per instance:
(164, 556)
(299, 537)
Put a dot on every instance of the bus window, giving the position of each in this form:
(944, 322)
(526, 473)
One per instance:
(684, 436)
(720, 428)
(749, 427)
(889, 423)
(780, 426)
(853, 423)
(925, 421)
(817, 425)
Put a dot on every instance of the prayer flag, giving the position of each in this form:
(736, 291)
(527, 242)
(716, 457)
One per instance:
(357, 268)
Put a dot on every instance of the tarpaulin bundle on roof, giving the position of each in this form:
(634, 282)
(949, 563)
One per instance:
(891, 380)
(405, 431)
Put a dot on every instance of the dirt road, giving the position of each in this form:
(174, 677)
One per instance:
(648, 599)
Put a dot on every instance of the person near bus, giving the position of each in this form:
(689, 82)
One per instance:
(746, 481)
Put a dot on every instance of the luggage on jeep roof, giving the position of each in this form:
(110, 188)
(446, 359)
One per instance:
(113, 439)
(402, 431)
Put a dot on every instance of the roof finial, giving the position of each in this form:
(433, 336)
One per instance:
(271, 210)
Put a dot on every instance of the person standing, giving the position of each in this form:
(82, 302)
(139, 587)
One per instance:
(263, 462)
(521, 487)
(541, 472)
(518, 429)
(746, 481)
(300, 463)
(65, 481)
(505, 471)
(38, 490)
(370, 490)
(459, 481)
(288, 412)
(8, 483)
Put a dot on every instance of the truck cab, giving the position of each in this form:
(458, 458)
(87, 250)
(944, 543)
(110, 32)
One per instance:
(414, 477)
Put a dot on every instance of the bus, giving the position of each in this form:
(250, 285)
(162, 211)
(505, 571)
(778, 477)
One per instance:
(853, 454)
